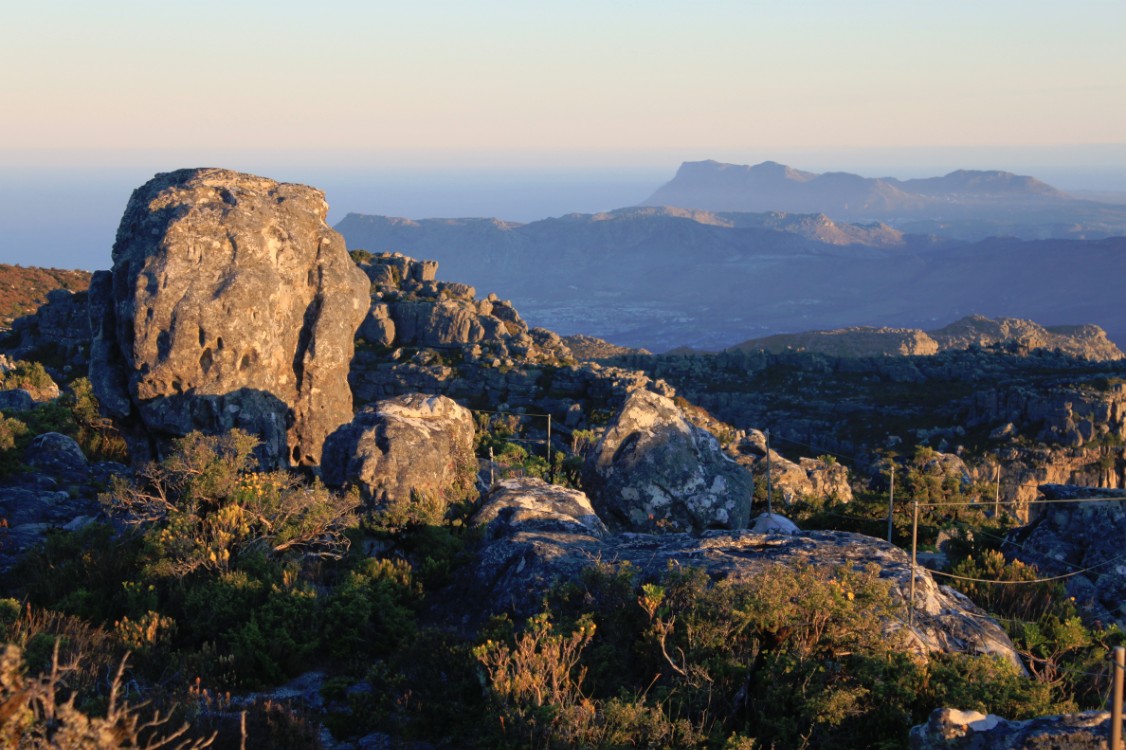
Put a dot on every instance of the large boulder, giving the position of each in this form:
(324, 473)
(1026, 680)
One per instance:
(527, 503)
(231, 303)
(654, 469)
(408, 450)
(538, 537)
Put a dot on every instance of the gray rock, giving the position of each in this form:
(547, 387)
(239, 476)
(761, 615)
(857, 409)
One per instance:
(526, 553)
(404, 449)
(34, 509)
(1084, 540)
(773, 523)
(56, 455)
(527, 504)
(808, 479)
(654, 468)
(16, 399)
(410, 309)
(231, 304)
(58, 331)
(950, 728)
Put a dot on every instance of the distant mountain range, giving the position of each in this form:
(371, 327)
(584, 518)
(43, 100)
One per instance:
(1085, 341)
(660, 278)
(964, 204)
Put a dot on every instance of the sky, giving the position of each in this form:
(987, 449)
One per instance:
(480, 105)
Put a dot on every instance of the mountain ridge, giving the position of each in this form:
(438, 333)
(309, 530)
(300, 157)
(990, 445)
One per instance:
(967, 204)
(659, 278)
(1084, 341)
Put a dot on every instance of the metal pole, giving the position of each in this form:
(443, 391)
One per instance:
(997, 495)
(550, 457)
(491, 465)
(914, 561)
(891, 499)
(769, 478)
(1116, 708)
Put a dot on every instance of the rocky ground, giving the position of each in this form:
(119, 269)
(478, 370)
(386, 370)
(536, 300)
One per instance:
(408, 396)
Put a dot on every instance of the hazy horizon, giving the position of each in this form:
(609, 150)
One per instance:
(66, 215)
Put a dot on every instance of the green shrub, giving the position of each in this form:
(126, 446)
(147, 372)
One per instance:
(371, 612)
(202, 508)
(31, 377)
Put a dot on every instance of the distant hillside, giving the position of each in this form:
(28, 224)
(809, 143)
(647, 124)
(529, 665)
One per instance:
(659, 278)
(964, 204)
(24, 289)
(1084, 341)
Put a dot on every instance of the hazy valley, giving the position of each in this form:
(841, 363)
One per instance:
(661, 278)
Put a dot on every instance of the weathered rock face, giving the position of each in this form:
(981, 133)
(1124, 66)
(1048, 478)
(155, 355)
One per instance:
(530, 546)
(950, 728)
(405, 449)
(653, 468)
(1085, 341)
(808, 479)
(230, 304)
(59, 332)
(589, 348)
(528, 504)
(409, 308)
(1079, 536)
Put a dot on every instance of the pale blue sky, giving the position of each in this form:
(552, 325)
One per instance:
(530, 109)
(508, 83)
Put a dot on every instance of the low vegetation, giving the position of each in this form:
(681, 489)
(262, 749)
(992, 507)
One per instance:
(215, 579)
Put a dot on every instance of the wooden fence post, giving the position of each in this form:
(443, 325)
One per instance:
(1116, 706)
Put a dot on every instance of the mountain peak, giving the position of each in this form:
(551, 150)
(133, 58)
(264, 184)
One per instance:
(770, 186)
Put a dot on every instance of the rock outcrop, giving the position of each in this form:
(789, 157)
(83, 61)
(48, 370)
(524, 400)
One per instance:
(527, 504)
(952, 729)
(1013, 334)
(230, 304)
(1083, 540)
(411, 309)
(654, 469)
(412, 448)
(535, 543)
(1084, 341)
(56, 334)
(807, 479)
(58, 456)
(857, 341)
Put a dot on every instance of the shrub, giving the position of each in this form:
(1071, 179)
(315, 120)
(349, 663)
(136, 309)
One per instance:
(31, 377)
(371, 611)
(202, 508)
(37, 715)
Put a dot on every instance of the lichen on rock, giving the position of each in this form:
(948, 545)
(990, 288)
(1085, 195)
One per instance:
(653, 468)
(231, 303)
(408, 450)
